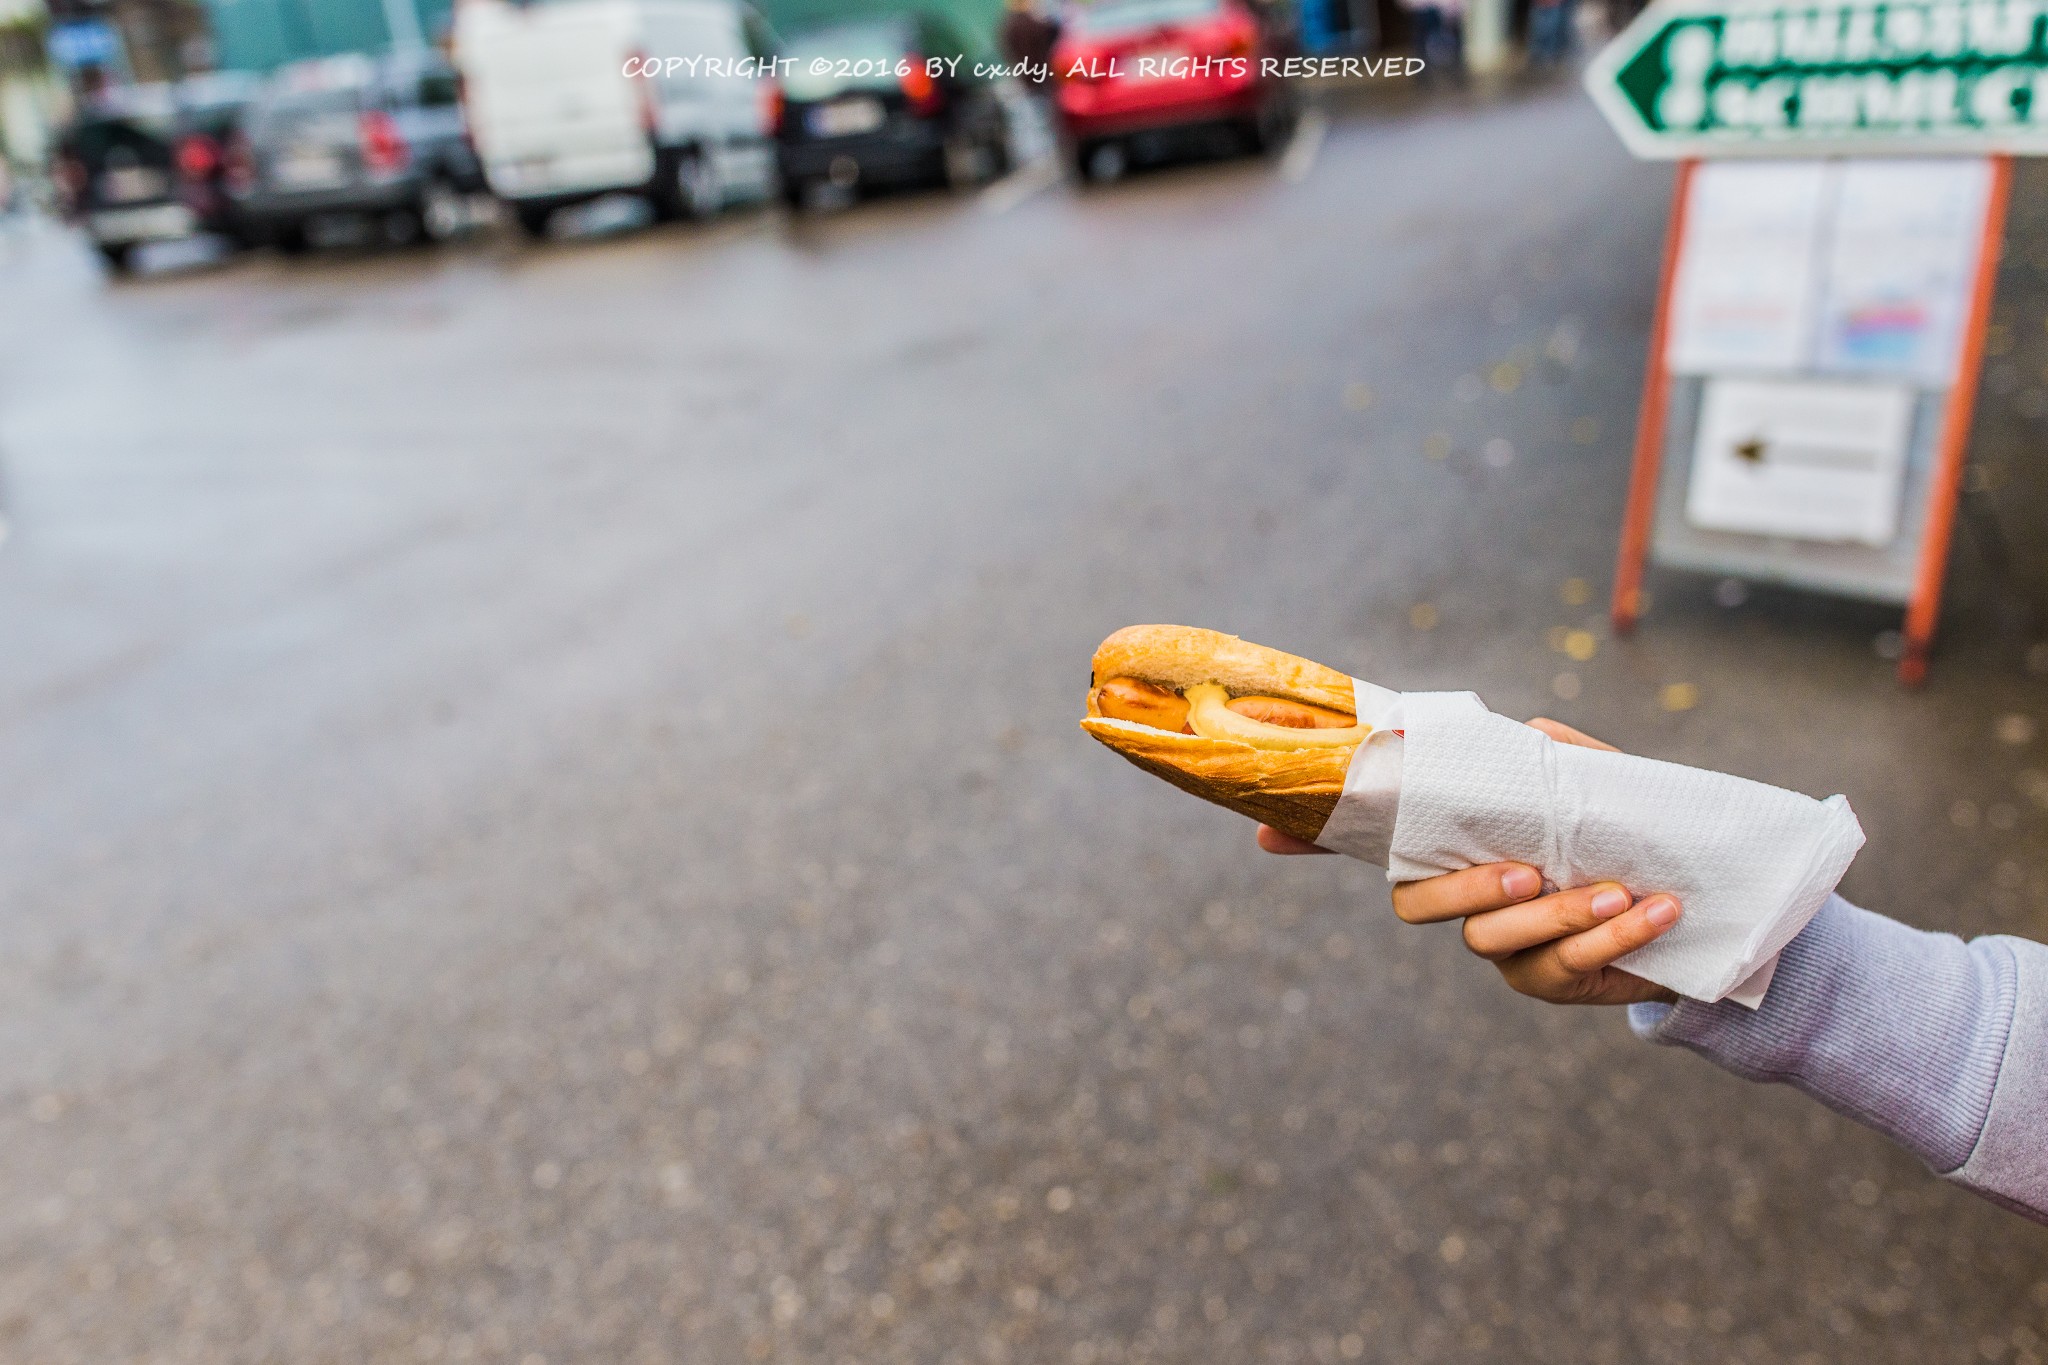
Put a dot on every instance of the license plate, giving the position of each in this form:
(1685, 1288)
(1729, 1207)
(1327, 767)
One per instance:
(127, 184)
(155, 223)
(846, 118)
(531, 170)
(309, 171)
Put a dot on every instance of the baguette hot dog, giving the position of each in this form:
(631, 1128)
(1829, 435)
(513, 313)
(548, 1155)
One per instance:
(1264, 733)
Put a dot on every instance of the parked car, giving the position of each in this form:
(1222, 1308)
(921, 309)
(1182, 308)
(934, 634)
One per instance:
(134, 166)
(1132, 71)
(861, 106)
(570, 100)
(375, 139)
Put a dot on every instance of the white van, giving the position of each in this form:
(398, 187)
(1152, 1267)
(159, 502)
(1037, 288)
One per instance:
(571, 99)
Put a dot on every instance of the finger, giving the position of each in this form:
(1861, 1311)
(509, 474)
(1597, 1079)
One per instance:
(1560, 971)
(1470, 892)
(1502, 933)
(1274, 841)
(1584, 953)
(1564, 734)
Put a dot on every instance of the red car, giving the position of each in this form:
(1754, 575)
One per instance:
(1128, 71)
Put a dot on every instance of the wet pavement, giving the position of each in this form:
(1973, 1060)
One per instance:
(546, 822)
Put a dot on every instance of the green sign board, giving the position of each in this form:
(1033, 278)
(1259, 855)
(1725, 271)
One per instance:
(1698, 78)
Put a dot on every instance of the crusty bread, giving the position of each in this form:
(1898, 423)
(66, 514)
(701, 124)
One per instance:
(1181, 656)
(1294, 790)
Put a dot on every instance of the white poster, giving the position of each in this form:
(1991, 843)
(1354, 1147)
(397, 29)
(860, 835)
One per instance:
(1904, 245)
(1812, 461)
(1744, 292)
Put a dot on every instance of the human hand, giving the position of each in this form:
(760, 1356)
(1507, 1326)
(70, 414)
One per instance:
(1561, 947)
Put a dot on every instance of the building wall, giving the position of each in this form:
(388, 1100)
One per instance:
(977, 19)
(257, 35)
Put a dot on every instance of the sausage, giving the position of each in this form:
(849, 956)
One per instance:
(1296, 715)
(1162, 708)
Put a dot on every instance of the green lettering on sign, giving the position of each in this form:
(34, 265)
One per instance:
(1695, 78)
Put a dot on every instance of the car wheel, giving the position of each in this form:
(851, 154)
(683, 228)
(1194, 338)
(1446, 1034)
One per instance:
(290, 238)
(1105, 161)
(118, 257)
(533, 220)
(796, 195)
(969, 162)
(443, 211)
(699, 188)
(1270, 128)
(402, 227)
(686, 185)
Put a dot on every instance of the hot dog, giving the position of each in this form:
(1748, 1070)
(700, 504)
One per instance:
(1264, 733)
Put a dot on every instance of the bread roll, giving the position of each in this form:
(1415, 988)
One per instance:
(1291, 789)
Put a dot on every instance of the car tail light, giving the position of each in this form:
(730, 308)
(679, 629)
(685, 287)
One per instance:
(238, 166)
(384, 151)
(198, 157)
(650, 108)
(773, 107)
(919, 87)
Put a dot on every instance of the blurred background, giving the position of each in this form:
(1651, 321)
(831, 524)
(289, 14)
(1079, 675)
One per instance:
(544, 621)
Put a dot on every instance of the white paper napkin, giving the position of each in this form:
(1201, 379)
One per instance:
(1750, 863)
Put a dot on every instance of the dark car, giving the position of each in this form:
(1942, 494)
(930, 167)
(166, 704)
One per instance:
(143, 163)
(865, 103)
(377, 140)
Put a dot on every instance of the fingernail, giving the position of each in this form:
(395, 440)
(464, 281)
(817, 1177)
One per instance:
(1520, 882)
(1662, 912)
(1609, 903)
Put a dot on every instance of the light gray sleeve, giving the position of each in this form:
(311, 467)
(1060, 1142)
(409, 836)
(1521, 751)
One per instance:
(1938, 1044)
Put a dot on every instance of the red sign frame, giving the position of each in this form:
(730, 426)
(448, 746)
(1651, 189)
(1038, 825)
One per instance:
(1923, 610)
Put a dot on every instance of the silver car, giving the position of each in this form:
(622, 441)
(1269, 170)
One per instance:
(380, 140)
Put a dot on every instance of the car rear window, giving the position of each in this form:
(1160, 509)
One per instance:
(835, 60)
(1126, 16)
(438, 89)
(141, 115)
(92, 139)
(292, 108)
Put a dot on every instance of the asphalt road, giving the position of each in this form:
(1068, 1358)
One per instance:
(545, 820)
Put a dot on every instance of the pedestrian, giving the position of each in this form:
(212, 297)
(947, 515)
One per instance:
(1027, 38)
(1439, 34)
(1940, 1045)
(1550, 31)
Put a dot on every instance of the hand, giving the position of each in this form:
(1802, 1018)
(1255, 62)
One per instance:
(1559, 947)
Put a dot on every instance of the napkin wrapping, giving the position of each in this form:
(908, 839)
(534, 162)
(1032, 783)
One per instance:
(1750, 863)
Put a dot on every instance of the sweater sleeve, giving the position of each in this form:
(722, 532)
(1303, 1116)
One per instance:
(1940, 1045)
